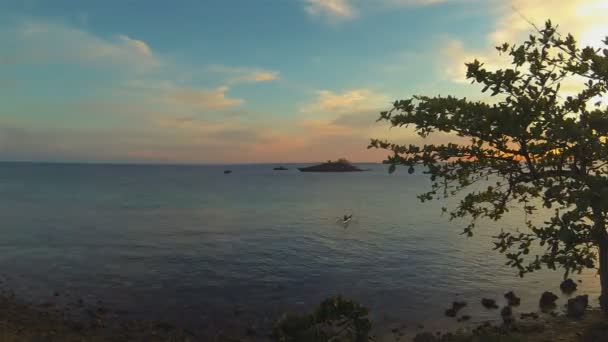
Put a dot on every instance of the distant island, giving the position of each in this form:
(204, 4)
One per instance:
(341, 165)
(280, 168)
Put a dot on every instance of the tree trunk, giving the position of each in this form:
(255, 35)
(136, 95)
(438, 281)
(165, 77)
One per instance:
(601, 237)
(603, 256)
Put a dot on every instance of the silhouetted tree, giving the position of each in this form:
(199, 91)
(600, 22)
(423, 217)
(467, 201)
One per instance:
(533, 146)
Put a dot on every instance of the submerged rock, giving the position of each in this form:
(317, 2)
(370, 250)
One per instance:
(568, 286)
(489, 303)
(507, 315)
(577, 306)
(512, 299)
(464, 318)
(547, 300)
(456, 306)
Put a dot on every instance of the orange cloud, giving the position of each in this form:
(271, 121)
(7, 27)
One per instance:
(352, 100)
(244, 75)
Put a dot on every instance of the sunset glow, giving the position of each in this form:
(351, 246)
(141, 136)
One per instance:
(295, 81)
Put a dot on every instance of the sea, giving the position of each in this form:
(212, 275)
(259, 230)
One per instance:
(192, 245)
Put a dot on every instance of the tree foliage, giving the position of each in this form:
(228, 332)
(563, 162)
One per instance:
(336, 319)
(533, 145)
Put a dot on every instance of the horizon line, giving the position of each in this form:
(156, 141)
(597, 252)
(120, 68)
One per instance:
(145, 163)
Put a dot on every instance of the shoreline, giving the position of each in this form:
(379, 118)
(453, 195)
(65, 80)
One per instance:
(20, 321)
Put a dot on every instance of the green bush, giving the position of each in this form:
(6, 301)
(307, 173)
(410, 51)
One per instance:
(335, 320)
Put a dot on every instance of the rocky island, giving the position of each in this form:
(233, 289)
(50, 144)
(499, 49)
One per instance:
(341, 165)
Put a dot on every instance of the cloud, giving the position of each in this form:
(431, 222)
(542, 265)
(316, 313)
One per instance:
(454, 55)
(408, 3)
(47, 42)
(363, 119)
(349, 9)
(138, 45)
(585, 19)
(204, 99)
(244, 75)
(331, 8)
(352, 100)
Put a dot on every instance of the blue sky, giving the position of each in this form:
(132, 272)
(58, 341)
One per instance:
(215, 81)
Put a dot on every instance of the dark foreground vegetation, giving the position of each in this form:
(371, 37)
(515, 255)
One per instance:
(335, 320)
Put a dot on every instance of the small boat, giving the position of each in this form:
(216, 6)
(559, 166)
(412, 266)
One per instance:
(227, 172)
(280, 168)
(345, 220)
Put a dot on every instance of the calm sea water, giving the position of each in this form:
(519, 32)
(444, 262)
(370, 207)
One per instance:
(192, 245)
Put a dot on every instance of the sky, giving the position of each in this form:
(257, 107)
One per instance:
(242, 81)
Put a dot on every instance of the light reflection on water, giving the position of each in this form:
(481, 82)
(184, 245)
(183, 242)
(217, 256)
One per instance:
(191, 244)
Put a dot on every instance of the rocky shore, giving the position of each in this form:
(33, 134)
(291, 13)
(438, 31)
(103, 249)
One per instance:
(20, 322)
(592, 327)
(574, 322)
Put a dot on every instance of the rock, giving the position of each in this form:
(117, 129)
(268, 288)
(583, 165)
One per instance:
(426, 337)
(532, 315)
(512, 299)
(47, 305)
(531, 327)
(489, 303)
(547, 300)
(250, 331)
(507, 315)
(577, 306)
(77, 326)
(464, 318)
(568, 286)
(456, 306)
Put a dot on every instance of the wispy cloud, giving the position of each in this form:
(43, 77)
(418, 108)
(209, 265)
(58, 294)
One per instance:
(331, 8)
(349, 9)
(412, 2)
(137, 45)
(244, 75)
(328, 101)
(47, 42)
(204, 99)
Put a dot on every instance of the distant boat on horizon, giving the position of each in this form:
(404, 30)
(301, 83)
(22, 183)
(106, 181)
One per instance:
(227, 172)
(280, 168)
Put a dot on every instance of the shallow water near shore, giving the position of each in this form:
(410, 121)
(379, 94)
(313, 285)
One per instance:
(192, 245)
